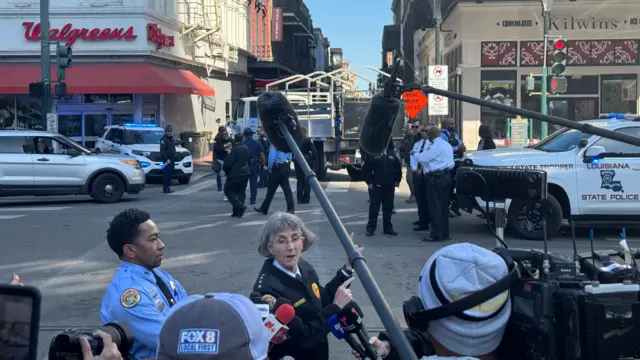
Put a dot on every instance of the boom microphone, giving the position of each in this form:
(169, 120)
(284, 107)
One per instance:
(375, 132)
(273, 108)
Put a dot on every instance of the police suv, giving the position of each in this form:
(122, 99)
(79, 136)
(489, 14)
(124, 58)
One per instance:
(142, 141)
(591, 179)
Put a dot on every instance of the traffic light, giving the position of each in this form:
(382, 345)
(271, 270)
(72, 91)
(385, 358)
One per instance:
(559, 84)
(64, 60)
(559, 57)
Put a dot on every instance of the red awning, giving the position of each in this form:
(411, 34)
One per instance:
(127, 78)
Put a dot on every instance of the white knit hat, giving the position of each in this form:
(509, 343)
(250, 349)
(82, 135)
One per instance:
(460, 270)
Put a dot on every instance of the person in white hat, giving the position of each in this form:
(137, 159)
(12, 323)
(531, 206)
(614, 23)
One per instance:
(460, 270)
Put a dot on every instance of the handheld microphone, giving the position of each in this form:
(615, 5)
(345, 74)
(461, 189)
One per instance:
(341, 334)
(277, 325)
(273, 108)
(376, 129)
(262, 306)
(351, 318)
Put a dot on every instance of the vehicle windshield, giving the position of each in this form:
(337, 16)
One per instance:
(133, 137)
(562, 140)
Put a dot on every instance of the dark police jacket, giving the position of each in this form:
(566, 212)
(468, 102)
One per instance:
(313, 304)
(382, 170)
(167, 148)
(236, 164)
(419, 342)
(219, 151)
(308, 150)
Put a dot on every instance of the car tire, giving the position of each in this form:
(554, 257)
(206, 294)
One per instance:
(523, 218)
(184, 180)
(107, 188)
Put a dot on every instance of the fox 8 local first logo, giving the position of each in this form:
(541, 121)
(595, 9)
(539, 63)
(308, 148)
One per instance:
(198, 341)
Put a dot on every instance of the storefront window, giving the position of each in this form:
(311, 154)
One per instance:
(499, 87)
(7, 112)
(121, 119)
(94, 124)
(149, 118)
(619, 93)
(29, 113)
(70, 126)
(96, 98)
(121, 99)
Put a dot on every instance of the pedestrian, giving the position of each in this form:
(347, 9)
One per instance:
(438, 162)
(448, 134)
(140, 294)
(221, 147)
(264, 141)
(419, 183)
(408, 141)
(310, 154)
(236, 166)
(167, 153)
(382, 174)
(486, 138)
(279, 164)
(258, 158)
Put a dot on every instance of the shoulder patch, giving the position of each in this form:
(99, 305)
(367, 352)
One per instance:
(162, 142)
(130, 298)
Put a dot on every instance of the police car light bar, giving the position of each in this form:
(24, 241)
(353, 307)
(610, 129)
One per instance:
(621, 116)
(140, 125)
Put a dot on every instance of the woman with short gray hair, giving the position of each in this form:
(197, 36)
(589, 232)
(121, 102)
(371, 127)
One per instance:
(282, 240)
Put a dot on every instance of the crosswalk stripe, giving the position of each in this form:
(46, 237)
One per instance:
(9, 217)
(195, 188)
(43, 208)
(337, 186)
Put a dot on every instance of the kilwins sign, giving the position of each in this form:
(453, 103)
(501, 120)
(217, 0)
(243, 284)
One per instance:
(590, 23)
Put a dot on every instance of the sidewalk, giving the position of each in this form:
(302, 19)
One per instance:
(205, 161)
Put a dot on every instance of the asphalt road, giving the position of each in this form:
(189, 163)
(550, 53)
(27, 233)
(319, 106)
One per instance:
(58, 245)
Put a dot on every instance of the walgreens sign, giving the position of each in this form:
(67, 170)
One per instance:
(70, 34)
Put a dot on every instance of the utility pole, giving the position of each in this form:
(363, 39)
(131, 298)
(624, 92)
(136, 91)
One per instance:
(437, 14)
(546, 18)
(45, 59)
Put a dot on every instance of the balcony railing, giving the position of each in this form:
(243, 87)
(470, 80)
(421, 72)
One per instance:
(262, 52)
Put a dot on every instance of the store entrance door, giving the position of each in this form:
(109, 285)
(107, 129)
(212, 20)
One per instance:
(86, 127)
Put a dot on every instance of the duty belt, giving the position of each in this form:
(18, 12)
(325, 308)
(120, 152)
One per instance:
(437, 173)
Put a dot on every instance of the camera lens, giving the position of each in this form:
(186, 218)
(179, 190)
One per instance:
(66, 345)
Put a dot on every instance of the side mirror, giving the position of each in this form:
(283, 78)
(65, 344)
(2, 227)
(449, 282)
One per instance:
(583, 143)
(73, 152)
(594, 152)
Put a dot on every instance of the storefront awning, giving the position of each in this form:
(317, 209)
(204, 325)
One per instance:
(127, 78)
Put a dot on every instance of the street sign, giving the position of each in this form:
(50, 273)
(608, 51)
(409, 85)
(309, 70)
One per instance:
(518, 132)
(52, 123)
(439, 79)
(414, 102)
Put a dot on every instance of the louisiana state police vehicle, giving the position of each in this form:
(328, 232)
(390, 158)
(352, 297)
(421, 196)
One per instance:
(591, 179)
(142, 141)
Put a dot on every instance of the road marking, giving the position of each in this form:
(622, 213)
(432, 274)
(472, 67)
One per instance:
(9, 217)
(182, 230)
(338, 186)
(195, 188)
(43, 208)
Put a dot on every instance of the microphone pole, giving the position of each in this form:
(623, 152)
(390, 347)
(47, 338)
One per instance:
(399, 341)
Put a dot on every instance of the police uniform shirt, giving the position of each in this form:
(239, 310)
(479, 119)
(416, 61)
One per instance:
(133, 296)
(445, 134)
(438, 156)
(418, 148)
(313, 304)
(255, 147)
(276, 156)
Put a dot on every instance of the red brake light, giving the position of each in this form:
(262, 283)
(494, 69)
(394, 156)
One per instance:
(560, 44)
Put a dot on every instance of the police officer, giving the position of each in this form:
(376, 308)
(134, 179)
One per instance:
(258, 158)
(264, 172)
(437, 161)
(238, 171)
(382, 174)
(310, 154)
(167, 152)
(419, 183)
(448, 133)
(140, 293)
(279, 164)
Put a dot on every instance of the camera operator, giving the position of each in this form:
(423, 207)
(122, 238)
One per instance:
(459, 270)
(109, 351)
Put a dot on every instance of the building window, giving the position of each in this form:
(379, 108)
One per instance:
(29, 113)
(7, 112)
(619, 93)
(499, 87)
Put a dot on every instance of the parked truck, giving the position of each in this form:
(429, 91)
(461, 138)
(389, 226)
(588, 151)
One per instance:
(316, 110)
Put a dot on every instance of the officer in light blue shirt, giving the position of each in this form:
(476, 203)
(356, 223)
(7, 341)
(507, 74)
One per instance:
(140, 294)
(279, 164)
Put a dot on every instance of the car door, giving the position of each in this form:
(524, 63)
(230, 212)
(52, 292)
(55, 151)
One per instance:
(16, 168)
(115, 138)
(611, 185)
(58, 172)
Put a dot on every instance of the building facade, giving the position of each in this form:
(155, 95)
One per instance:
(321, 51)
(134, 61)
(496, 46)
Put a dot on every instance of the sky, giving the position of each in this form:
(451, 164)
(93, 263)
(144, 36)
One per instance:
(355, 26)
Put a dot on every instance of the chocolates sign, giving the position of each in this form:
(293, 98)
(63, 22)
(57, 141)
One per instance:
(155, 34)
(70, 35)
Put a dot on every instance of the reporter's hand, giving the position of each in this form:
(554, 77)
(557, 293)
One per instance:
(15, 280)
(109, 352)
(343, 295)
(382, 349)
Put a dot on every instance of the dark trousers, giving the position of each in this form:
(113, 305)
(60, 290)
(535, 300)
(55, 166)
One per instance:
(420, 192)
(381, 195)
(167, 175)
(279, 176)
(264, 176)
(438, 190)
(303, 188)
(253, 183)
(235, 189)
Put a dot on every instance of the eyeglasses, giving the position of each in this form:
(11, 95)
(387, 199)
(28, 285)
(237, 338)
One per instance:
(283, 241)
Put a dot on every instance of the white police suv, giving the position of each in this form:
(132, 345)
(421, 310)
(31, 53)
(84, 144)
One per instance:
(591, 179)
(142, 141)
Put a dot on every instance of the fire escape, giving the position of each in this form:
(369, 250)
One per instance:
(203, 33)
